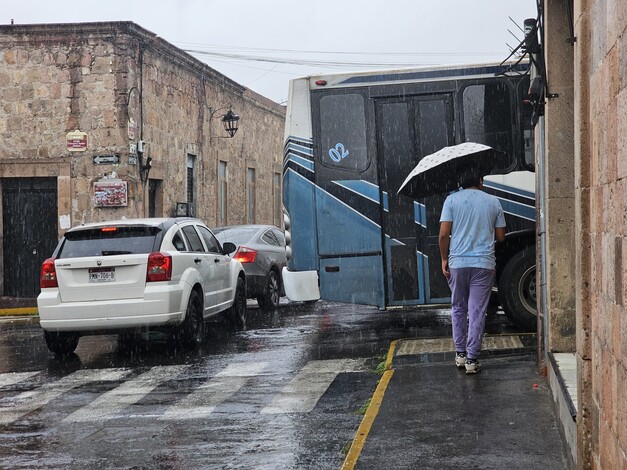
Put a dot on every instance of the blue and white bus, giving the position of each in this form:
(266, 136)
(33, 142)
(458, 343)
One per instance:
(351, 139)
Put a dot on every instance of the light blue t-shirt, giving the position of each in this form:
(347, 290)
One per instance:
(475, 215)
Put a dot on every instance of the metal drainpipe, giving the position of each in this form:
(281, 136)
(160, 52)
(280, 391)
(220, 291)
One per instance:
(541, 201)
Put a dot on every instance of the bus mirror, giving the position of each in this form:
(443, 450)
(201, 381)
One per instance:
(532, 44)
(535, 99)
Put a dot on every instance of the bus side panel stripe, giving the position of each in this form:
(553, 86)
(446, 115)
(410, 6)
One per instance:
(363, 188)
(308, 164)
(510, 190)
(299, 199)
(517, 209)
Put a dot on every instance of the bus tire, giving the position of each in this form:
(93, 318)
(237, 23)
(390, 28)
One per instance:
(517, 290)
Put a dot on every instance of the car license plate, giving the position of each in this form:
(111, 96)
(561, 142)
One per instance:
(102, 275)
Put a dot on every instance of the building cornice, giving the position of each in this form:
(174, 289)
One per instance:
(79, 33)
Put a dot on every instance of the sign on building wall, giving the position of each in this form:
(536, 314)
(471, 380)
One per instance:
(132, 154)
(106, 159)
(110, 193)
(76, 141)
(132, 129)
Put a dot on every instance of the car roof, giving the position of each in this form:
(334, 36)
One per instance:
(248, 226)
(146, 222)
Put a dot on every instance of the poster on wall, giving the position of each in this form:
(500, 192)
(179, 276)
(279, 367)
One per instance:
(76, 141)
(110, 194)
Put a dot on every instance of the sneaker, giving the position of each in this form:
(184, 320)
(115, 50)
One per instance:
(460, 360)
(472, 366)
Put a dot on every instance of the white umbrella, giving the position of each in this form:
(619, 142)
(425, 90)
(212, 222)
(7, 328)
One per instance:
(439, 172)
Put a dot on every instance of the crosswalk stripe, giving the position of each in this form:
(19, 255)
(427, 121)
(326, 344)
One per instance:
(207, 397)
(14, 408)
(306, 388)
(111, 403)
(298, 396)
(11, 378)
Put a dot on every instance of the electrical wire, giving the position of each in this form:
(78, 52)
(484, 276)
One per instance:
(229, 54)
(243, 49)
(232, 63)
(306, 62)
(278, 56)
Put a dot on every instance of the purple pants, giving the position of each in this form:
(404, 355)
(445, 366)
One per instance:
(470, 294)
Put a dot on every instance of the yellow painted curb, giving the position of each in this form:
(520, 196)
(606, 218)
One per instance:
(19, 311)
(388, 361)
(371, 413)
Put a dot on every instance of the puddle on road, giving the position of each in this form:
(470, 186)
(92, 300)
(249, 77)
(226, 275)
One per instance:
(280, 333)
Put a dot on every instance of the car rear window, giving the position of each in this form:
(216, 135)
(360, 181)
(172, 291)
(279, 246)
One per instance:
(270, 238)
(279, 236)
(237, 236)
(107, 241)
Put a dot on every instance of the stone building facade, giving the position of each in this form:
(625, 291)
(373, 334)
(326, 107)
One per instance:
(584, 159)
(107, 120)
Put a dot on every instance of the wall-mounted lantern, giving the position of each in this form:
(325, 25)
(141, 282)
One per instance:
(185, 209)
(230, 121)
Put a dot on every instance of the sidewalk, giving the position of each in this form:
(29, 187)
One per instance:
(427, 414)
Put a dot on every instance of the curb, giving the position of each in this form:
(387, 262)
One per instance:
(371, 412)
(19, 311)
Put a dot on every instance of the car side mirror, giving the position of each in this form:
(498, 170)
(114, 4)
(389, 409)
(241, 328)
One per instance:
(228, 248)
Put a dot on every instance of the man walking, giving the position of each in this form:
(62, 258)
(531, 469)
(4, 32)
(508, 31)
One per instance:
(470, 221)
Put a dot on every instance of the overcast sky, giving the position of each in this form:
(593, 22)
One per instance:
(298, 38)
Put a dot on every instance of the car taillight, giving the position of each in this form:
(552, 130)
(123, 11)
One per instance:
(159, 267)
(245, 255)
(48, 276)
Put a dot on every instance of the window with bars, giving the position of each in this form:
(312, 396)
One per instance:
(222, 193)
(191, 162)
(250, 196)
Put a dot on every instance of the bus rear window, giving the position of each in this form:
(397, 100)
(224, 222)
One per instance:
(343, 132)
(109, 241)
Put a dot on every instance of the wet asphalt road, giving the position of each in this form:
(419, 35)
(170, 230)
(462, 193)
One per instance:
(285, 393)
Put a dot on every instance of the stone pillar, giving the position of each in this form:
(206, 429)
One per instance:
(559, 204)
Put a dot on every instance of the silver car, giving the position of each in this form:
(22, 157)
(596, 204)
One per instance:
(261, 250)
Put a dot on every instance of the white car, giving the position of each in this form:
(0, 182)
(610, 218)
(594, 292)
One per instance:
(126, 276)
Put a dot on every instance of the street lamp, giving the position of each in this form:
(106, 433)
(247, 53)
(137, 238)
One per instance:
(230, 121)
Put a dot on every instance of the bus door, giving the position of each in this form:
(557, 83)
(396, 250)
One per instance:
(347, 204)
(408, 129)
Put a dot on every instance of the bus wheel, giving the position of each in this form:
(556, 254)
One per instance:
(517, 290)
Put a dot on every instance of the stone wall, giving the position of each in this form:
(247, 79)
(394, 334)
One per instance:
(94, 77)
(601, 238)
